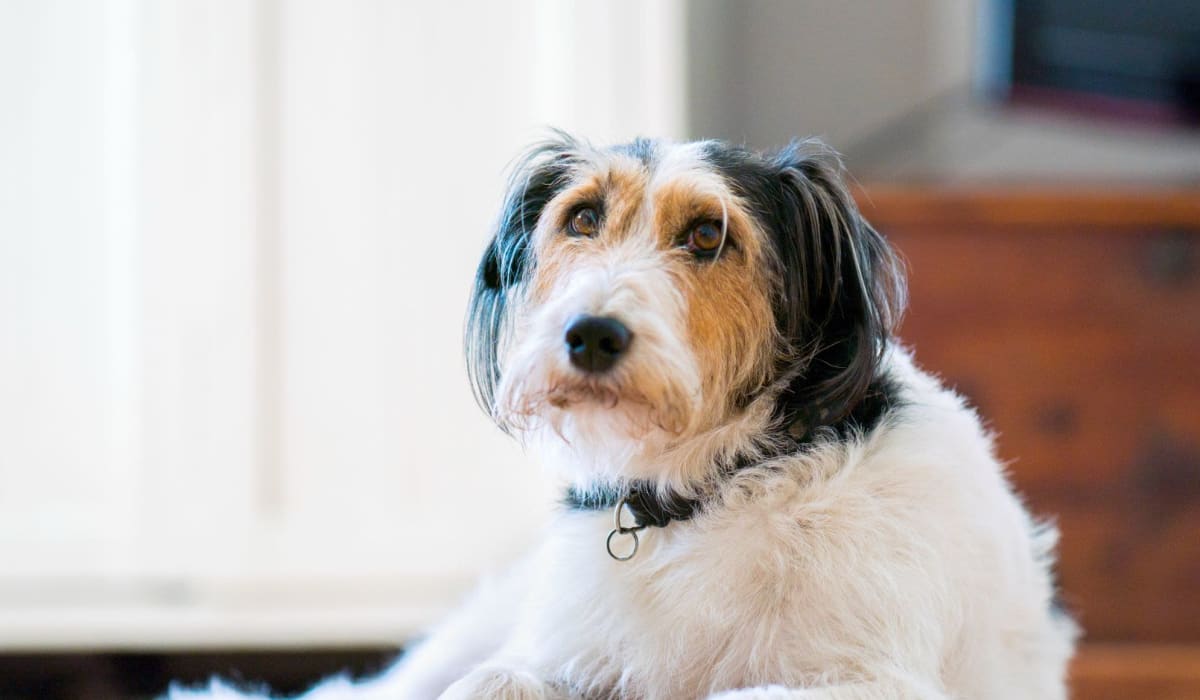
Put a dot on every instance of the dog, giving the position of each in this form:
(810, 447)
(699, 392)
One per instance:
(763, 496)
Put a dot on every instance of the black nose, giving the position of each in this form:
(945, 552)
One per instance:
(595, 342)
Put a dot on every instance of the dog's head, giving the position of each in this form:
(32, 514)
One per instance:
(687, 299)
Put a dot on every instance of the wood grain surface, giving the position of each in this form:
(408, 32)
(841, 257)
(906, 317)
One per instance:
(1071, 318)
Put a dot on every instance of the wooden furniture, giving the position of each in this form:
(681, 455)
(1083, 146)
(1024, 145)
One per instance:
(1071, 318)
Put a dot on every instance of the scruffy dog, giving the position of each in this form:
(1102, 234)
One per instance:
(764, 497)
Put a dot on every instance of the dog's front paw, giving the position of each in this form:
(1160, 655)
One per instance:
(494, 683)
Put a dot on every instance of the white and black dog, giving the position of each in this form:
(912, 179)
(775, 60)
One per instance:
(764, 497)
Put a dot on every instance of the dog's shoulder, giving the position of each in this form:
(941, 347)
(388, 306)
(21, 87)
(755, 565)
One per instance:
(925, 453)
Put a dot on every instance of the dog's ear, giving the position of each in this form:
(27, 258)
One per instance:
(507, 261)
(841, 290)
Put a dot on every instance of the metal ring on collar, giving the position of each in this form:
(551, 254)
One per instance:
(617, 517)
(632, 532)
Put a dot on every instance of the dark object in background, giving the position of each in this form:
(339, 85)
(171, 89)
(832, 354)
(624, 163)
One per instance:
(128, 676)
(1135, 60)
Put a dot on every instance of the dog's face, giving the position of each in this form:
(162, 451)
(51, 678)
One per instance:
(652, 299)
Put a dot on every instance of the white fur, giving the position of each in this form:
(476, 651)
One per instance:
(899, 565)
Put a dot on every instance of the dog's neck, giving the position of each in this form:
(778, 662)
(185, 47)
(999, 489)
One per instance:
(652, 507)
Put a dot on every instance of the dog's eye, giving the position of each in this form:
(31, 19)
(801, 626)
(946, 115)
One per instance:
(705, 239)
(584, 222)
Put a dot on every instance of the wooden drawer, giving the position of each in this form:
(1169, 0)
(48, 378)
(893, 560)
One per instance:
(1125, 672)
(1079, 341)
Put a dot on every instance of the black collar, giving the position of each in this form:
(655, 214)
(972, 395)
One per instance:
(648, 509)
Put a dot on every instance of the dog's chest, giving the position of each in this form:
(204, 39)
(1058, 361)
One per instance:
(698, 608)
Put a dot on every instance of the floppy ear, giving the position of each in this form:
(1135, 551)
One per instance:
(507, 261)
(842, 289)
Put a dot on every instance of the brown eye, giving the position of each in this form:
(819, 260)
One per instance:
(705, 239)
(585, 222)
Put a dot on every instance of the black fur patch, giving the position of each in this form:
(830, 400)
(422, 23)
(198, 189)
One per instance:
(840, 287)
(881, 398)
(507, 261)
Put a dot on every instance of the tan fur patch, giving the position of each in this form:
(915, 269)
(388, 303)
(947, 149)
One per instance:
(730, 323)
(616, 186)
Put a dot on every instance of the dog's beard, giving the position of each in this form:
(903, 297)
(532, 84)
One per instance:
(608, 426)
(571, 405)
(620, 419)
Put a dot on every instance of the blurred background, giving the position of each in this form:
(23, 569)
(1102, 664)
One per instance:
(236, 239)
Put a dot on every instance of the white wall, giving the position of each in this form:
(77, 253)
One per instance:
(236, 240)
(68, 394)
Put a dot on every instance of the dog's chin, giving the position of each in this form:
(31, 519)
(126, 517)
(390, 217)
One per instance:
(594, 429)
(593, 410)
(616, 406)
(587, 396)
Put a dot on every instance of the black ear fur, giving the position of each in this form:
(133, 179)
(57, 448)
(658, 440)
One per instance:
(507, 261)
(842, 289)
